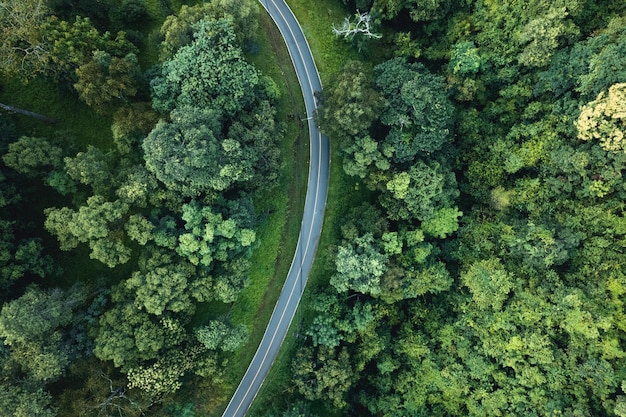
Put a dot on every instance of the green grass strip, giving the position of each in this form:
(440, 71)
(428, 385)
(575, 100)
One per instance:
(317, 19)
(278, 235)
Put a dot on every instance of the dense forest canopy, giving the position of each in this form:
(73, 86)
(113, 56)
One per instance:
(167, 207)
(480, 275)
(484, 274)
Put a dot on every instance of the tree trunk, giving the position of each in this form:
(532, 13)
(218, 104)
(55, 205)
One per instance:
(27, 113)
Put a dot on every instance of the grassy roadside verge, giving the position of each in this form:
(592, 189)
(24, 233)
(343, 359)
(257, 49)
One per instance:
(275, 394)
(316, 19)
(278, 234)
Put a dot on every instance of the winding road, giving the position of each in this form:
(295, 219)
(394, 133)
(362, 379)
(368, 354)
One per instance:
(312, 220)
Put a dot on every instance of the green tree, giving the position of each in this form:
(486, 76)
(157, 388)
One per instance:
(34, 326)
(139, 229)
(259, 133)
(130, 336)
(210, 72)
(105, 82)
(72, 44)
(419, 113)
(212, 237)
(96, 223)
(244, 16)
(231, 278)
(604, 119)
(539, 246)
(349, 107)
(56, 223)
(93, 168)
(20, 253)
(161, 284)
(29, 155)
(324, 375)
(16, 401)
(189, 155)
(465, 59)
(488, 282)
(363, 153)
(139, 188)
(217, 335)
(418, 192)
(603, 59)
(542, 36)
(177, 30)
(359, 267)
(443, 222)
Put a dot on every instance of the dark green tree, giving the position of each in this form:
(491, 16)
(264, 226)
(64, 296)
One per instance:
(190, 156)
(105, 82)
(419, 113)
(210, 72)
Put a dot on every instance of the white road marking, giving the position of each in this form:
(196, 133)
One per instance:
(313, 219)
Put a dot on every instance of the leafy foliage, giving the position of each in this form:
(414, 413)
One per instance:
(419, 113)
(210, 72)
(33, 327)
(105, 78)
(178, 30)
(217, 335)
(28, 155)
(91, 224)
(165, 204)
(504, 301)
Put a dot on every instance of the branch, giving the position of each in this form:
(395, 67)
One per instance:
(361, 25)
(27, 113)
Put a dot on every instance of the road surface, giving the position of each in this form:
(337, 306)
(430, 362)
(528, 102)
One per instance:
(312, 218)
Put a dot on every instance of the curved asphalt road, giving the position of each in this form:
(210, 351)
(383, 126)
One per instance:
(311, 222)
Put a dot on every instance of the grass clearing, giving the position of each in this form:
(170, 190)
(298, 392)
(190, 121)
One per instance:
(76, 125)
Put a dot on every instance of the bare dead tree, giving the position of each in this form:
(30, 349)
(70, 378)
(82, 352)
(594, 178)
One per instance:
(22, 49)
(118, 400)
(27, 113)
(361, 24)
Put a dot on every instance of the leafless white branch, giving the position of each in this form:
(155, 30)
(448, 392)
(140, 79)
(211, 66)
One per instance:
(361, 24)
